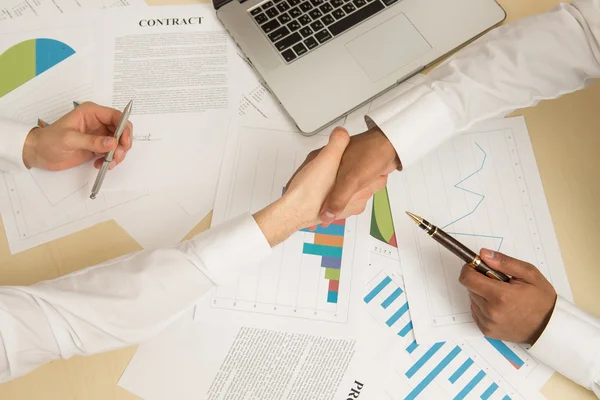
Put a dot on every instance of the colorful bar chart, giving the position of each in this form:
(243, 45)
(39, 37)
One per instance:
(328, 243)
(506, 352)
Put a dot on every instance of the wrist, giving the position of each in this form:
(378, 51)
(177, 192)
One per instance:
(278, 221)
(387, 148)
(29, 148)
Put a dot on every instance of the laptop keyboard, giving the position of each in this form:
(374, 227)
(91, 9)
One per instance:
(296, 27)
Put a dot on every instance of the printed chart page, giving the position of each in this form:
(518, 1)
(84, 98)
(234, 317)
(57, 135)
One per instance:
(484, 189)
(312, 280)
(48, 64)
(479, 368)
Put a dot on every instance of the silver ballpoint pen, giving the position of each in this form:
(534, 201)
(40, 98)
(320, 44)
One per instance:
(109, 157)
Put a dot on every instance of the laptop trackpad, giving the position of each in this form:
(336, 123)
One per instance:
(390, 46)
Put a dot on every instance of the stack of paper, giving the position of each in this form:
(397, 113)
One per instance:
(369, 306)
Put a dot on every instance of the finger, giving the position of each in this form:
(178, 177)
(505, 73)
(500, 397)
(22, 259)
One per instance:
(508, 265)
(479, 283)
(96, 144)
(479, 301)
(333, 153)
(95, 116)
(119, 155)
(358, 202)
(477, 317)
(378, 184)
(334, 150)
(127, 137)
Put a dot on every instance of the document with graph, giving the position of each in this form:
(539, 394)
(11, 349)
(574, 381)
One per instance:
(464, 368)
(483, 188)
(312, 276)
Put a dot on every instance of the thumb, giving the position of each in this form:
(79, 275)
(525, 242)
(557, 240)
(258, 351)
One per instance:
(93, 143)
(334, 150)
(508, 265)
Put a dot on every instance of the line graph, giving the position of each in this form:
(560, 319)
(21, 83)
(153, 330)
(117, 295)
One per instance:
(481, 197)
(484, 188)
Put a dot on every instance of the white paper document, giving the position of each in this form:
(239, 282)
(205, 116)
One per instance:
(483, 188)
(177, 64)
(19, 9)
(214, 362)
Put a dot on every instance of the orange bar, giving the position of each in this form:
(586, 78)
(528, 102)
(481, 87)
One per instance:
(329, 240)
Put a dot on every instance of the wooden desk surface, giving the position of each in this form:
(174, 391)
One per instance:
(565, 135)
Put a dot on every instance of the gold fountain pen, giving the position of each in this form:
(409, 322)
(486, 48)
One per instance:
(459, 249)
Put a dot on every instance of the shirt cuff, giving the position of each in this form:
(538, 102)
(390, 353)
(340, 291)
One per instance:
(12, 140)
(570, 344)
(230, 247)
(416, 123)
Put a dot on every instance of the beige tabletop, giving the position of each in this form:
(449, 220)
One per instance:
(565, 135)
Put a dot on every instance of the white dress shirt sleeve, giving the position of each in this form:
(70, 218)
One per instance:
(12, 140)
(119, 302)
(513, 66)
(571, 345)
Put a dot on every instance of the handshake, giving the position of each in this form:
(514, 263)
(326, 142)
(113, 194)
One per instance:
(334, 182)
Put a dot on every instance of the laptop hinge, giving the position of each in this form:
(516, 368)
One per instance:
(220, 3)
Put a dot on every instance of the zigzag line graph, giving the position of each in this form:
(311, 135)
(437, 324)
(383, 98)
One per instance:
(481, 197)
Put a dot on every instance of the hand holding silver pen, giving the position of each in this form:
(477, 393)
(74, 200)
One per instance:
(109, 156)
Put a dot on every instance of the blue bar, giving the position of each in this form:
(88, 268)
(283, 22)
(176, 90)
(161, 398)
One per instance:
(386, 303)
(490, 391)
(506, 397)
(333, 230)
(321, 250)
(411, 347)
(461, 370)
(467, 389)
(433, 374)
(330, 262)
(406, 329)
(417, 366)
(332, 297)
(397, 315)
(386, 281)
(506, 351)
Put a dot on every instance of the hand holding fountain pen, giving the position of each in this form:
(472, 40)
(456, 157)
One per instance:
(458, 248)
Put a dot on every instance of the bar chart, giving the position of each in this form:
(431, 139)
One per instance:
(328, 244)
(508, 358)
(444, 370)
(506, 352)
(308, 276)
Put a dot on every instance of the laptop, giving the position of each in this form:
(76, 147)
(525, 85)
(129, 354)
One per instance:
(324, 58)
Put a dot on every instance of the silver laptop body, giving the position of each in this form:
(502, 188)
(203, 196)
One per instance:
(323, 58)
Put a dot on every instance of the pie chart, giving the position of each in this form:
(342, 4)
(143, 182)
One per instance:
(26, 60)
